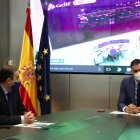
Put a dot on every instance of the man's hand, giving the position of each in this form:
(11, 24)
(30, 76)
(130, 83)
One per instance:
(132, 109)
(29, 117)
(131, 105)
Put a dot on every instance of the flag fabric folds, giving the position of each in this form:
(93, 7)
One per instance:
(28, 87)
(43, 70)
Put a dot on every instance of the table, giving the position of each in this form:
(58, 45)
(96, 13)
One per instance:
(81, 124)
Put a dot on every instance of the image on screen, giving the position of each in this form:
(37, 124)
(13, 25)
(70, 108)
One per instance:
(90, 36)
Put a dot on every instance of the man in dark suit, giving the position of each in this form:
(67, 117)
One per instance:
(129, 98)
(12, 110)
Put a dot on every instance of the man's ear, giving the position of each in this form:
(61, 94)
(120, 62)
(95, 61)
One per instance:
(8, 80)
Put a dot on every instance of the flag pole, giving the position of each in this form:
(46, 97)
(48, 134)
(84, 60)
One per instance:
(28, 3)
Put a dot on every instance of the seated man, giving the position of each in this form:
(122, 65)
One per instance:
(12, 110)
(129, 99)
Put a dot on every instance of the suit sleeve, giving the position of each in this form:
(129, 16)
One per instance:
(21, 108)
(122, 96)
(9, 120)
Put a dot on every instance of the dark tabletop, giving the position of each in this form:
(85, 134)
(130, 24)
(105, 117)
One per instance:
(81, 124)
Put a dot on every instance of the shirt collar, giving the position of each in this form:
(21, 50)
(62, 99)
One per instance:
(4, 90)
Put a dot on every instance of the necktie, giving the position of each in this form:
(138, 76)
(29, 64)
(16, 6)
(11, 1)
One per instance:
(10, 104)
(138, 95)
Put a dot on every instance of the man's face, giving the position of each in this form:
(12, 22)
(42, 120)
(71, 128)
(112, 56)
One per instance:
(135, 69)
(12, 81)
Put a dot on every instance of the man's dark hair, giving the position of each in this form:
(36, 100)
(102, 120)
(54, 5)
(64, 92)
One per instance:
(7, 71)
(135, 62)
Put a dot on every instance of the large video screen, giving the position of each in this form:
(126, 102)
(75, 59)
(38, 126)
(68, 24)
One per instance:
(90, 36)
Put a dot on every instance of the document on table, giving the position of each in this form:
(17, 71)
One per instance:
(35, 125)
(123, 113)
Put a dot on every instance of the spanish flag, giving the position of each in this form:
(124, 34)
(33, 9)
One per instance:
(28, 87)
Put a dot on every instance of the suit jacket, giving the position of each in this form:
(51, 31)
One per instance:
(17, 106)
(127, 92)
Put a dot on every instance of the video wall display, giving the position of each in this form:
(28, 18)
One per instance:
(90, 36)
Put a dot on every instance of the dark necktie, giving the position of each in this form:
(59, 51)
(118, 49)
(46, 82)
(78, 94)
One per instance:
(9, 103)
(138, 95)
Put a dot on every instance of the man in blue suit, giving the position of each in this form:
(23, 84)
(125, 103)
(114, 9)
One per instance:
(129, 98)
(12, 110)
